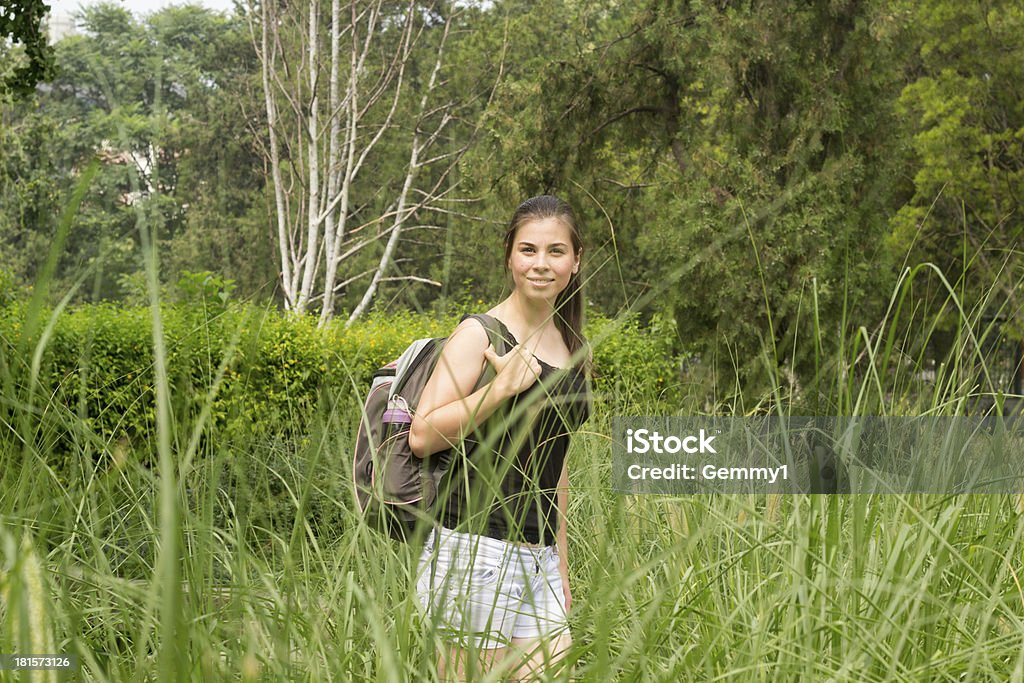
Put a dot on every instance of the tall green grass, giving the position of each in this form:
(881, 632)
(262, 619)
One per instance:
(173, 573)
(124, 564)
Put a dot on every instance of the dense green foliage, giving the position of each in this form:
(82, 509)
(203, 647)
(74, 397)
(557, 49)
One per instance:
(735, 166)
(965, 119)
(21, 23)
(259, 372)
(161, 104)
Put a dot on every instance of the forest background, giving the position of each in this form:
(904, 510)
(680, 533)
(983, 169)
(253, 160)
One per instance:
(736, 165)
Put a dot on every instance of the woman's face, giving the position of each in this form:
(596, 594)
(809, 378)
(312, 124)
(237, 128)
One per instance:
(542, 259)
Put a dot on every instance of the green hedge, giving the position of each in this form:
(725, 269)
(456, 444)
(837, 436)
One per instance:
(96, 395)
(98, 364)
(635, 366)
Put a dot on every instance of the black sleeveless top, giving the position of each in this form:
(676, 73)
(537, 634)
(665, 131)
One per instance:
(506, 485)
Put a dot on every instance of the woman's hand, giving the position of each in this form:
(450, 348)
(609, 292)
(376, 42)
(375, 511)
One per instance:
(516, 371)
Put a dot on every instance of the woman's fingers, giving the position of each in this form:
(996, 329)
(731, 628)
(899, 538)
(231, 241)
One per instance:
(526, 369)
(491, 355)
(499, 361)
(518, 368)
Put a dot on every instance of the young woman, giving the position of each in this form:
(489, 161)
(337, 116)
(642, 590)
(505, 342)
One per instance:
(494, 573)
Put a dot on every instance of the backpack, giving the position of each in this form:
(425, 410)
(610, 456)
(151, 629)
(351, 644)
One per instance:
(395, 489)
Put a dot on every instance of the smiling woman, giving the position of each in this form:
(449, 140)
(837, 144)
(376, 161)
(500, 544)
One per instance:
(542, 259)
(493, 575)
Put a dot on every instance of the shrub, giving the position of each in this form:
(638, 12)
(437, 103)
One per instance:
(8, 290)
(98, 364)
(634, 364)
(269, 383)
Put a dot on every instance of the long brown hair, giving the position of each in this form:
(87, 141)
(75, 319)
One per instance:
(569, 303)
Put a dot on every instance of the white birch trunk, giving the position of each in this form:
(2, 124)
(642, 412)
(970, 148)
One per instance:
(414, 164)
(313, 219)
(316, 150)
(283, 243)
(336, 220)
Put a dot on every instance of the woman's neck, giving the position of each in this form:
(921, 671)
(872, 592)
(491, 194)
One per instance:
(532, 317)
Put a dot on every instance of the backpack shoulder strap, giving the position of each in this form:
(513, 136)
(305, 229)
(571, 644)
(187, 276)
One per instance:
(496, 332)
(498, 335)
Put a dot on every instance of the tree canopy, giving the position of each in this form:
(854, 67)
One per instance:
(759, 173)
(21, 23)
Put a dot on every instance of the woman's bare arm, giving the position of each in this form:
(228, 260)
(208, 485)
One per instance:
(446, 410)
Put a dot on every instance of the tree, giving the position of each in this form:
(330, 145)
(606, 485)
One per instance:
(747, 155)
(965, 121)
(348, 95)
(168, 104)
(220, 183)
(21, 21)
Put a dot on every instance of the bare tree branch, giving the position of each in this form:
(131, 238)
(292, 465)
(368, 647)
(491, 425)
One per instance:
(412, 278)
(332, 97)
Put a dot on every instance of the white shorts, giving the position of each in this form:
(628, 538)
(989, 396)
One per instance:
(482, 592)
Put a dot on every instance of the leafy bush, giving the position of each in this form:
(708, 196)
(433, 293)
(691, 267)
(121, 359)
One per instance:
(258, 372)
(634, 364)
(205, 289)
(258, 387)
(7, 290)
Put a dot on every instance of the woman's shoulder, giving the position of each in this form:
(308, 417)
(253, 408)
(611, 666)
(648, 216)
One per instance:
(489, 326)
(470, 330)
